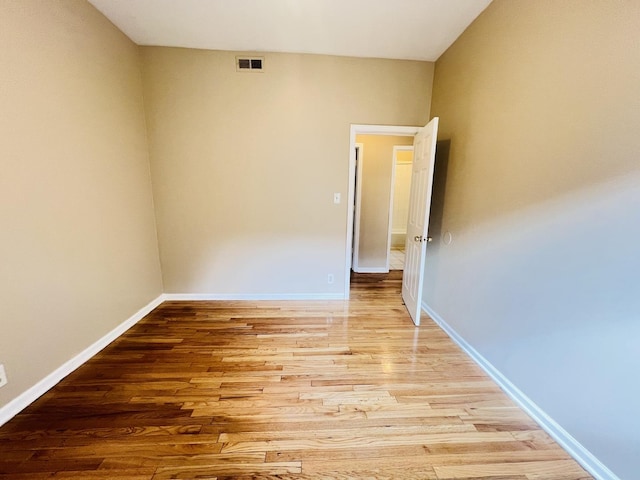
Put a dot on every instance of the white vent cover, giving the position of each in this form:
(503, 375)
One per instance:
(250, 64)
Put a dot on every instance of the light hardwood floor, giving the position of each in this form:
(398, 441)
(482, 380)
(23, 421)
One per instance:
(288, 390)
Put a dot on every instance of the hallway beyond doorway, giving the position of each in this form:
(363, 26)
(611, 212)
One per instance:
(396, 258)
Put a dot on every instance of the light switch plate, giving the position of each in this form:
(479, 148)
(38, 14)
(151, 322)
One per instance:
(336, 198)
(3, 376)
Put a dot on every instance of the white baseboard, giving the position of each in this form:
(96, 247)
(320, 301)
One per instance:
(371, 270)
(252, 296)
(26, 398)
(583, 456)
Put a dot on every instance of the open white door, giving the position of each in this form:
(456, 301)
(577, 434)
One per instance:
(418, 224)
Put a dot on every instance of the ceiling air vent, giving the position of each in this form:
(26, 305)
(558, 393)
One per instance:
(250, 64)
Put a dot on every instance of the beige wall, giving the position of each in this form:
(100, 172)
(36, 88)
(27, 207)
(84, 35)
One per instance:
(377, 166)
(77, 236)
(541, 103)
(264, 223)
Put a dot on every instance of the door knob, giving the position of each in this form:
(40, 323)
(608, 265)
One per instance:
(419, 238)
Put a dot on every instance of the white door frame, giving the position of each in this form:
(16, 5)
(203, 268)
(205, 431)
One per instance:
(396, 149)
(363, 130)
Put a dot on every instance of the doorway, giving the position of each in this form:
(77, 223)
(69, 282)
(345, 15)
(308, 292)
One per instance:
(351, 212)
(374, 200)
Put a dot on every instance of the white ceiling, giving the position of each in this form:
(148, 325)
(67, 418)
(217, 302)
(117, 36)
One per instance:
(405, 29)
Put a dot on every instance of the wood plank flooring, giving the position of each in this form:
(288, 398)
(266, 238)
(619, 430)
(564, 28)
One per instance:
(287, 390)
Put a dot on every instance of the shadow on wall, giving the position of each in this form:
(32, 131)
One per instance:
(436, 214)
(436, 217)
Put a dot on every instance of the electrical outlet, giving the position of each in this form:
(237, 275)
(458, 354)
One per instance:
(330, 278)
(3, 376)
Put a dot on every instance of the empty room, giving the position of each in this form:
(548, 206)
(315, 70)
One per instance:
(189, 287)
